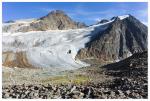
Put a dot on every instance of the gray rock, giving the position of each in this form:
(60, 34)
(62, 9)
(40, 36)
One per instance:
(128, 92)
(73, 88)
(6, 95)
(112, 93)
(121, 39)
(55, 20)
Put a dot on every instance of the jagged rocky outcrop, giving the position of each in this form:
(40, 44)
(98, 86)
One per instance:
(103, 21)
(55, 20)
(123, 37)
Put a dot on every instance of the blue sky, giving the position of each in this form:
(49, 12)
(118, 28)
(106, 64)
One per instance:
(86, 12)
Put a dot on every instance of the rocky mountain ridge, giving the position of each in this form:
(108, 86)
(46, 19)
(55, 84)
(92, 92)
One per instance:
(120, 40)
(55, 20)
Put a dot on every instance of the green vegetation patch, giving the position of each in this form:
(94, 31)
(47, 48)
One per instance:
(65, 79)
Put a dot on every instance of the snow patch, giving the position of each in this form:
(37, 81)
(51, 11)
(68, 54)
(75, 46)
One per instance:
(123, 17)
(25, 20)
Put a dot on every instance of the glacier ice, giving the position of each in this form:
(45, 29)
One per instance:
(49, 49)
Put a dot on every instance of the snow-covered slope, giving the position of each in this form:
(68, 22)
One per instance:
(49, 49)
(123, 17)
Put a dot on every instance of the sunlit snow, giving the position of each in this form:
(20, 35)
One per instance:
(123, 17)
(52, 48)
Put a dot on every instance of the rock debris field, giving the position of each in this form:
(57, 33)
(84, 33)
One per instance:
(130, 81)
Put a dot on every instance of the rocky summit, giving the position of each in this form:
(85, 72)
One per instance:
(55, 20)
(122, 38)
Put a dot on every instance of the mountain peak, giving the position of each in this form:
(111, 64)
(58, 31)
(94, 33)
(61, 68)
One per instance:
(121, 17)
(102, 21)
(126, 34)
(57, 12)
(55, 20)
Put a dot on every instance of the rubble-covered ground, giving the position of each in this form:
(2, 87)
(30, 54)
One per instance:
(125, 79)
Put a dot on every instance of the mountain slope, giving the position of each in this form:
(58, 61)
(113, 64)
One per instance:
(125, 35)
(55, 20)
(109, 40)
(47, 49)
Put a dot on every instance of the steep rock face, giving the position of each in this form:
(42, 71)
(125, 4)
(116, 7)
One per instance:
(122, 38)
(55, 20)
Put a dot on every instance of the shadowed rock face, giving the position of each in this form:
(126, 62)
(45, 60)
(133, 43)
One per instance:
(55, 20)
(121, 39)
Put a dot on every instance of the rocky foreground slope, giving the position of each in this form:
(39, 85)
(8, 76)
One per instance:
(129, 81)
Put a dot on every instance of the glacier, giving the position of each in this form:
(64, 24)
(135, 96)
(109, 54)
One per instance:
(51, 48)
